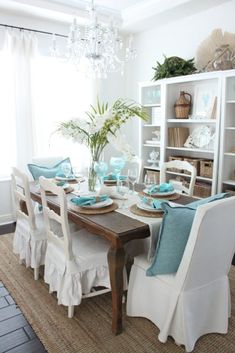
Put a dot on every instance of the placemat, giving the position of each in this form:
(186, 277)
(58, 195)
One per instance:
(101, 210)
(134, 209)
(67, 191)
(172, 197)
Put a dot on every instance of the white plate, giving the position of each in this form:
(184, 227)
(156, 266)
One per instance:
(145, 207)
(166, 193)
(100, 204)
(65, 179)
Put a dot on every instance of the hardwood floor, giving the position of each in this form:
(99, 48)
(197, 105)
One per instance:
(16, 335)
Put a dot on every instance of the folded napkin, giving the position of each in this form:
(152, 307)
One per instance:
(154, 203)
(112, 192)
(165, 187)
(88, 200)
(112, 176)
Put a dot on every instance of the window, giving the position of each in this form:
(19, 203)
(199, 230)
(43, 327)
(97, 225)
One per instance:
(59, 93)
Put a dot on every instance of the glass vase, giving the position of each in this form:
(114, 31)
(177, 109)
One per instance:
(92, 176)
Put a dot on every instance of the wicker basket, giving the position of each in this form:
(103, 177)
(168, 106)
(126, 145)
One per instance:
(173, 158)
(195, 162)
(155, 175)
(206, 168)
(202, 190)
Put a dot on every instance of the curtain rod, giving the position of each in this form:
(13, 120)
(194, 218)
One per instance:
(33, 30)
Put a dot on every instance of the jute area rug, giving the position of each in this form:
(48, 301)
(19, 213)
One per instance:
(90, 329)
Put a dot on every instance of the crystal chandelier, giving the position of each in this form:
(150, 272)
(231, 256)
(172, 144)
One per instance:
(95, 48)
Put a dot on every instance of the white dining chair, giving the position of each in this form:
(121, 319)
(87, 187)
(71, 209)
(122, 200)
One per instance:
(196, 299)
(178, 185)
(30, 235)
(76, 262)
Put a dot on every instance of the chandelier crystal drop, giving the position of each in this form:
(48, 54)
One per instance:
(95, 49)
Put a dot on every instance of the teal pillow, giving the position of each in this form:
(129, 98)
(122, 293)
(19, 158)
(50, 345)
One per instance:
(216, 197)
(173, 237)
(37, 170)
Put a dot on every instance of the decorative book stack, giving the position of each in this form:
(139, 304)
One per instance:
(177, 136)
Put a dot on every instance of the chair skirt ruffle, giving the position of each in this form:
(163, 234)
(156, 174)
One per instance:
(30, 248)
(69, 283)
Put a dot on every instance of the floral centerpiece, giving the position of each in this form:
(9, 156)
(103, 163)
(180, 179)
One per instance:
(99, 127)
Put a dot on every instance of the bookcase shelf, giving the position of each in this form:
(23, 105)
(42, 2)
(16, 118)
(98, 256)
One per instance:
(220, 88)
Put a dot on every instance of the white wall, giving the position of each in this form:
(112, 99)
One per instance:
(180, 38)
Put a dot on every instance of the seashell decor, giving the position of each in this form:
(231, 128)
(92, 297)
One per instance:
(217, 52)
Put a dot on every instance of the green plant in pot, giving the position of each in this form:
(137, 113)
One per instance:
(173, 66)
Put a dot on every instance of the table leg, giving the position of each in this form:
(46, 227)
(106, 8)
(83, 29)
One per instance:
(116, 260)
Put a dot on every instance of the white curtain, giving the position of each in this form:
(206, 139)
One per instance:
(36, 93)
(23, 46)
(16, 136)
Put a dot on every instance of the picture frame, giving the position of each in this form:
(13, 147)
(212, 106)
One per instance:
(204, 102)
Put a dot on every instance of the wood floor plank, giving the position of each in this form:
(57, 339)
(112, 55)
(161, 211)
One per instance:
(30, 332)
(3, 302)
(9, 311)
(3, 292)
(12, 340)
(34, 346)
(10, 299)
(12, 324)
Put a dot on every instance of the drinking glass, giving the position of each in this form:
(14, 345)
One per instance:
(117, 163)
(123, 190)
(101, 169)
(66, 169)
(149, 182)
(132, 177)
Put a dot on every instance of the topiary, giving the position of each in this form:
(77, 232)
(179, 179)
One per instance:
(173, 66)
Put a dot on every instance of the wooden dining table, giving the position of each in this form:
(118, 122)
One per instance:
(118, 229)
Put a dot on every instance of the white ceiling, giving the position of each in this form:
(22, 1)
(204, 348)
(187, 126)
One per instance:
(135, 15)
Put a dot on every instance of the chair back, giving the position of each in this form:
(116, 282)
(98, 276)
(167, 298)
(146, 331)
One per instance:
(178, 185)
(211, 244)
(64, 242)
(22, 198)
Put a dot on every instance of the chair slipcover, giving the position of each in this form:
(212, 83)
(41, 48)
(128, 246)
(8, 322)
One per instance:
(196, 300)
(30, 244)
(30, 234)
(75, 262)
(73, 278)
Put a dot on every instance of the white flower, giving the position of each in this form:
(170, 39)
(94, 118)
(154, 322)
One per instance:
(118, 141)
(99, 121)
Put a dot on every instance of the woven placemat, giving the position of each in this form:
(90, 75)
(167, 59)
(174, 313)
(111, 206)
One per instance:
(172, 197)
(155, 214)
(67, 191)
(101, 210)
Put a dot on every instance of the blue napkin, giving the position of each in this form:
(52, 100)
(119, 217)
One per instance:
(88, 200)
(154, 203)
(113, 176)
(165, 187)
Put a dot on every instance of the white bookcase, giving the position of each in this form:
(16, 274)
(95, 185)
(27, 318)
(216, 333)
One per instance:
(151, 131)
(200, 86)
(227, 143)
